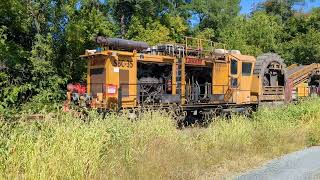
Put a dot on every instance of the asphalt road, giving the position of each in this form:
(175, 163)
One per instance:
(300, 165)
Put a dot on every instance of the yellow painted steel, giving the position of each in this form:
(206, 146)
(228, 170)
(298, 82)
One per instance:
(220, 77)
(116, 62)
(183, 81)
(242, 92)
(88, 77)
(292, 66)
(302, 90)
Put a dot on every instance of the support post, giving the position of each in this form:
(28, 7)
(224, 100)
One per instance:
(119, 98)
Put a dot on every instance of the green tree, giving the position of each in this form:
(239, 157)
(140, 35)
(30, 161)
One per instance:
(177, 27)
(84, 24)
(206, 33)
(153, 33)
(255, 35)
(214, 14)
(303, 49)
(124, 10)
(264, 32)
(40, 46)
(313, 20)
(282, 8)
(235, 36)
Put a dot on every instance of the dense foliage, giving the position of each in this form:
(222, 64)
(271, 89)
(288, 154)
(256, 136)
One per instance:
(40, 41)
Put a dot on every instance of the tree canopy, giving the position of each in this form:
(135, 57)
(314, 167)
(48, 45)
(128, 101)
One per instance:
(40, 41)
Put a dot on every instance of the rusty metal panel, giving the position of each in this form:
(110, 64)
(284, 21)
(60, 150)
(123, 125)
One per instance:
(271, 98)
(97, 80)
(98, 61)
(124, 82)
(273, 93)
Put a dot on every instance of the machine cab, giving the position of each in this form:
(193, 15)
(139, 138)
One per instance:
(240, 77)
(105, 71)
(232, 78)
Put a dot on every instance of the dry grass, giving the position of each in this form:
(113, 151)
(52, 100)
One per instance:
(64, 147)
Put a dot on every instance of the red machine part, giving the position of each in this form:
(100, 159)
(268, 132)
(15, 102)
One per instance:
(169, 85)
(288, 90)
(77, 88)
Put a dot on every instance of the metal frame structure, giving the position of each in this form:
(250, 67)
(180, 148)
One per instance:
(235, 82)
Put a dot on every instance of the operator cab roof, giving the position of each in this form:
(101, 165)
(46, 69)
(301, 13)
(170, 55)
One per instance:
(245, 58)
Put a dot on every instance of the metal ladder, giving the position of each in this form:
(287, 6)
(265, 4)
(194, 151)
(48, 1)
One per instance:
(179, 74)
(228, 95)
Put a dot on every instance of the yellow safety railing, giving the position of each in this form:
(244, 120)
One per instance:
(201, 47)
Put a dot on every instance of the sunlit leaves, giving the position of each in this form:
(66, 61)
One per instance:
(254, 36)
(153, 33)
(303, 49)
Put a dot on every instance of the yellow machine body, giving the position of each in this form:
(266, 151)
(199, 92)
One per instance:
(199, 75)
(303, 90)
(231, 77)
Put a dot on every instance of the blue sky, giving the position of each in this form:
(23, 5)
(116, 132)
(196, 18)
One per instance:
(248, 5)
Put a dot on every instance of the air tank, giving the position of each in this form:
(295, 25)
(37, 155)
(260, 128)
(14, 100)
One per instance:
(122, 44)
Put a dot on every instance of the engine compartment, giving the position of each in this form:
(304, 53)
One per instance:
(199, 83)
(154, 82)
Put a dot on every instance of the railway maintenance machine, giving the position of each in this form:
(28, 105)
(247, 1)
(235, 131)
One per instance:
(199, 77)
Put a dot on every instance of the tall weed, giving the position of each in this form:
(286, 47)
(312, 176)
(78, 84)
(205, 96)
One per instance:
(63, 146)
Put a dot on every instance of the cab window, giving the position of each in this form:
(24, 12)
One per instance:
(96, 71)
(246, 68)
(234, 66)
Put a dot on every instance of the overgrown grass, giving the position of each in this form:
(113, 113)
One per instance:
(61, 146)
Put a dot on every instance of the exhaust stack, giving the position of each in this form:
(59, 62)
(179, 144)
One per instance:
(122, 44)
